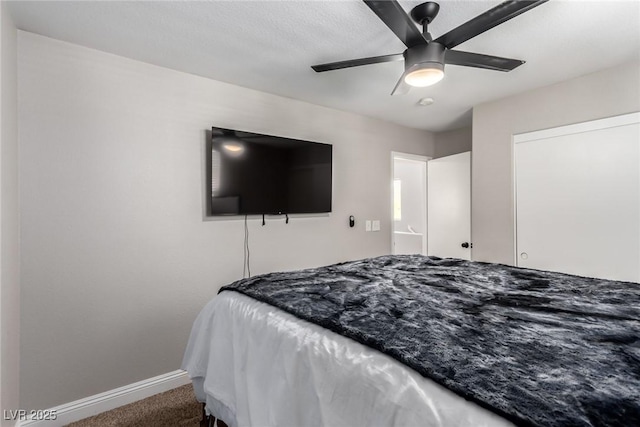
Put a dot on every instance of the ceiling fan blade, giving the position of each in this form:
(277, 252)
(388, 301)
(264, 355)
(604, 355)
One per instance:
(483, 22)
(401, 88)
(477, 60)
(394, 16)
(357, 62)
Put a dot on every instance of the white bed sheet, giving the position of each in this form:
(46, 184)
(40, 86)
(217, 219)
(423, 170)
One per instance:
(256, 365)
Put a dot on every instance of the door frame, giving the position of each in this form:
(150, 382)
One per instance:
(413, 157)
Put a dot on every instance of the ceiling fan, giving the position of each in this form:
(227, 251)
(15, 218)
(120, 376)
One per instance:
(424, 58)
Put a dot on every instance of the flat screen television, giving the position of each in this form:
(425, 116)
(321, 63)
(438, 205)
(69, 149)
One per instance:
(262, 174)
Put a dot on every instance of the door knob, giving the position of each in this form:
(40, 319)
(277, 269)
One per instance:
(466, 245)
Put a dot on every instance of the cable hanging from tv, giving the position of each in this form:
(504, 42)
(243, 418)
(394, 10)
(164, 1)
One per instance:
(246, 267)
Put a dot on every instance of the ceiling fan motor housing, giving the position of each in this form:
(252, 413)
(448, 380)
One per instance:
(421, 55)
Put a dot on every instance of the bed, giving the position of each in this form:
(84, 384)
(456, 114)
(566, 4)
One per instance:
(419, 341)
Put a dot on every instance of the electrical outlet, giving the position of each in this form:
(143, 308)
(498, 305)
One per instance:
(375, 225)
(367, 225)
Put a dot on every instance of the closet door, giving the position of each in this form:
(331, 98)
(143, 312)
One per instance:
(578, 199)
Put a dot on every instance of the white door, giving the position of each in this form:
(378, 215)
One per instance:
(449, 206)
(578, 199)
(409, 204)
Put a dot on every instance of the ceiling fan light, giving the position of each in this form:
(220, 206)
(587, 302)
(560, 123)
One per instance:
(423, 77)
(233, 148)
(230, 145)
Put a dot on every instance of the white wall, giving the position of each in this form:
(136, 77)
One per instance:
(452, 142)
(116, 257)
(606, 93)
(9, 221)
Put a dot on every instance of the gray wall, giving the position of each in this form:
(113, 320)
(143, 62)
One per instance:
(117, 259)
(9, 220)
(603, 94)
(452, 142)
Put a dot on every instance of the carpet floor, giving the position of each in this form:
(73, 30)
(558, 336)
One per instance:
(173, 408)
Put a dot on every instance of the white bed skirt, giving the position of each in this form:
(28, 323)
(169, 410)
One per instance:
(255, 365)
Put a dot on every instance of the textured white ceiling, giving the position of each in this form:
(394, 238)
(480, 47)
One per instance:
(270, 46)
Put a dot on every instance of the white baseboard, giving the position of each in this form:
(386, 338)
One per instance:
(93, 405)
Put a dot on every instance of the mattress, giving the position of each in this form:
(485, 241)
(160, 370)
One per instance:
(253, 364)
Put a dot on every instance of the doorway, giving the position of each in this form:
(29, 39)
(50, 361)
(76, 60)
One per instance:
(409, 203)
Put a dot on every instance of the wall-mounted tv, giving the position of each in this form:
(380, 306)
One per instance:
(262, 174)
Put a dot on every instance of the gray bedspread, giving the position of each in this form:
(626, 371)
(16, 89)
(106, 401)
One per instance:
(538, 348)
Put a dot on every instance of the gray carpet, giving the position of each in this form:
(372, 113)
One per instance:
(173, 408)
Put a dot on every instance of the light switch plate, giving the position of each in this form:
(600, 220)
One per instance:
(375, 226)
(367, 225)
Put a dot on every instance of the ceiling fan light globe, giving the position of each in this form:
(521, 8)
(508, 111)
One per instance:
(424, 77)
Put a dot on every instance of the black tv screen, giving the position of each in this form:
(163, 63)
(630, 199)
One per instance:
(261, 174)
